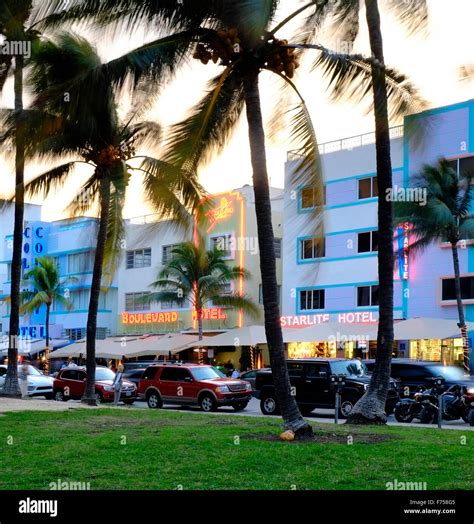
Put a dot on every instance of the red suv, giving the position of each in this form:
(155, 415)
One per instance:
(192, 384)
(70, 383)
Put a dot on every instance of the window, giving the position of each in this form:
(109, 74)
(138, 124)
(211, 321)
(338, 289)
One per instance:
(295, 370)
(169, 304)
(463, 166)
(368, 242)
(9, 271)
(80, 262)
(138, 258)
(367, 296)
(149, 373)
(80, 300)
(277, 247)
(133, 302)
(309, 197)
(223, 243)
(311, 248)
(368, 187)
(75, 333)
(260, 294)
(448, 291)
(314, 370)
(71, 374)
(312, 299)
(170, 374)
(167, 252)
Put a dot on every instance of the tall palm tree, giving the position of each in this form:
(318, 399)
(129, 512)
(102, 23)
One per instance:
(197, 277)
(48, 288)
(87, 128)
(446, 217)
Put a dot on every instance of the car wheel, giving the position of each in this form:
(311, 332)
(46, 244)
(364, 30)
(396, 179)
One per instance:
(346, 407)
(59, 396)
(49, 396)
(154, 400)
(470, 417)
(269, 405)
(403, 414)
(240, 406)
(98, 397)
(208, 403)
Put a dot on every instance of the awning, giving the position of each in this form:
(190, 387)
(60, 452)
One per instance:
(107, 348)
(154, 345)
(426, 328)
(331, 332)
(244, 336)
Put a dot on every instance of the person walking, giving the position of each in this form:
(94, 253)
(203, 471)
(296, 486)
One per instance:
(117, 384)
(23, 379)
(235, 373)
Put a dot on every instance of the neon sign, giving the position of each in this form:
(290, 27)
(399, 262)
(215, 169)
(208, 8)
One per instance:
(157, 317)
(214, 313)
(352, 317)
(404, 250)
(219, 213)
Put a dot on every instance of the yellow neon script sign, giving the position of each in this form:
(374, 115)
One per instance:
(220, 213)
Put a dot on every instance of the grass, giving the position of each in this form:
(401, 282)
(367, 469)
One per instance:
(145, 449)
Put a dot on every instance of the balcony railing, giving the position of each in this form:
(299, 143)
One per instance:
(346, 144)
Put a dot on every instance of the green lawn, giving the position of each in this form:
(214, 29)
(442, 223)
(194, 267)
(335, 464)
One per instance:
(145, 449)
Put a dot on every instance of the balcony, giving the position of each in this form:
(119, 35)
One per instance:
(346, 144)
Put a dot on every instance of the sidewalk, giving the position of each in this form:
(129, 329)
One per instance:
(18, 404)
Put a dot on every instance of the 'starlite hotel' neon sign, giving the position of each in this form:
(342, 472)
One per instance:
(158, 317)
(352, 317)
(219, 213)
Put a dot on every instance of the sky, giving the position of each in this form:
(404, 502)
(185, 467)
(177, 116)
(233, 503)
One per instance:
(432, 61)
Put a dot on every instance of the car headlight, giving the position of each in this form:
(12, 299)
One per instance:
(366, 387)
(470, 391)
(31, 388)
(222, 389)
(108, 388)
(248, 387)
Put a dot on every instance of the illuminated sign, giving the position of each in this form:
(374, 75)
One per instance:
(352, 317)
(219, 213)
(214, 313)
(404, 250)
(158, 317)
(33, 245)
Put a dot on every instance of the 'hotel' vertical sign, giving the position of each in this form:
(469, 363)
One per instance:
(403, 250)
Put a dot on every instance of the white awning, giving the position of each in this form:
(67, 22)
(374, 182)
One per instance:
(426, 328)
(244, 336)
(331, 332)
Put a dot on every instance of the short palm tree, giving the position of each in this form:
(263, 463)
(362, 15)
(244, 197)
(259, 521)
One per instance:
(48, 288)
(197, 277)
(86, 129)
(446, 217)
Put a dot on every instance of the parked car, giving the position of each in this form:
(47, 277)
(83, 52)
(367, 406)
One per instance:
(251, 375)
(192, 384)
(138, 364)
(311, 379)
(3, 372)
(70, 383)
(411, 374)
(39, 385)
(134, 375)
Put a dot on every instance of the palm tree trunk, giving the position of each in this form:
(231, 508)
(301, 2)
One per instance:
(289, 409)
(11, 387)
(371, 407)
(462, 321)
(91, 331)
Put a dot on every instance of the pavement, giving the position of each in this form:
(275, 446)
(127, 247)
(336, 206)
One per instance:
(252, 410)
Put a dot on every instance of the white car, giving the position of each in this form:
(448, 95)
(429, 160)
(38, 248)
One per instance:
(39, 385)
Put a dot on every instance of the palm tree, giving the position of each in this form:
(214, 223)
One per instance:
(196, 276)
(47, 289)
(87, 127)
(446, 217)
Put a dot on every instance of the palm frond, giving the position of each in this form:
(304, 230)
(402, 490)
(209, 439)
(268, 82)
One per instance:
(49, 181)
(413, 14)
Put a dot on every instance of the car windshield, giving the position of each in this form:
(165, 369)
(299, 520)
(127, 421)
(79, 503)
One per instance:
(104, 374)
(348, 367)
(451, 373)
(206, 373)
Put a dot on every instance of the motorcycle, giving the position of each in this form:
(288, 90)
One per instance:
(409, 408)
(454, 406)
(468, 399)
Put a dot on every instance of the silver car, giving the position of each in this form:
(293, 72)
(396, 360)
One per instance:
(39, 385)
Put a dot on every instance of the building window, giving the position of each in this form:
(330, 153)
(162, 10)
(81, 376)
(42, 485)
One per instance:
(80, 300)
(169, 304)
(9, 272)
(463, 166)
(167, 252)
(223, 243)
(367, 296)
(260, 294)
(448, 291)
(311, 248)
(277, 247)
(311, 299)
(80, 262)
(138, 258)
(368, 187)
(368, 242)
(133, 302)
(309, 197)
(75, 333)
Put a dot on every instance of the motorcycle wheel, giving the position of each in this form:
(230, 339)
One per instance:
(403, 414)
(470, 417)
(427, 417)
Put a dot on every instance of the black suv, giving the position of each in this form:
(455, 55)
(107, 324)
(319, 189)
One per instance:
(311, 383)
(411, 374)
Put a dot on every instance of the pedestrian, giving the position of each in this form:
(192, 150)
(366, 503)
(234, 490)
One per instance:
(23, 380)
(117, 384)
(236, 373)
(228, 368)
